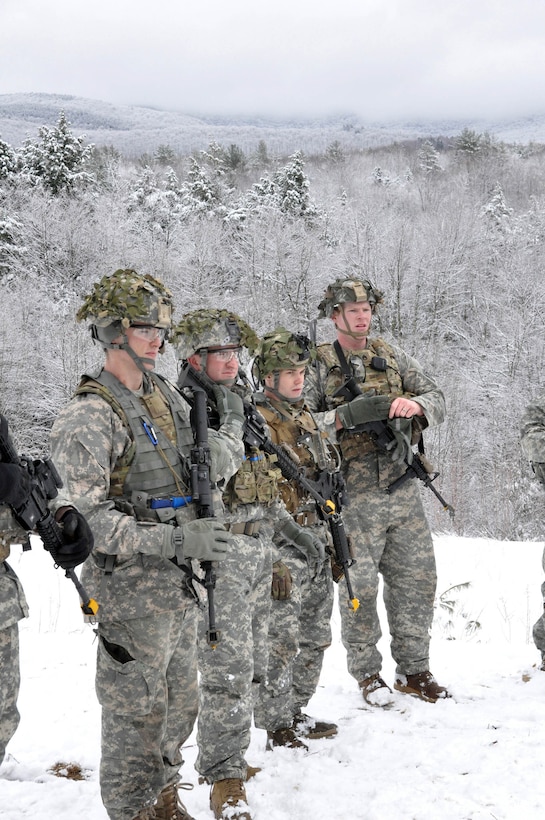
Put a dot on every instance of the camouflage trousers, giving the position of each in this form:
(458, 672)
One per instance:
(146, 683)
(230, 674)
(390, 536)
(299, 634)
(10, 679)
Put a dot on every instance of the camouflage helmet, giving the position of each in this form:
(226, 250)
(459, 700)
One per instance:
(281, 350)
(348, 290)
(123, 299)
(209, 329)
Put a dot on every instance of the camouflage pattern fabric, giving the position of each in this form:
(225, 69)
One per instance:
(87, 440)
(10, 680)
(389, 533)
(13, 607)
(147, 672)
(230, 673)
(532, 439)
(146, 683)
(299, 627)
(390, 536)
(299, 634)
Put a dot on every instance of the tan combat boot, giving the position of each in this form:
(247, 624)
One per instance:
(423, 685)
(376, 691)
(169, 806)
(284, 737)
(228, 800)
(311, 728)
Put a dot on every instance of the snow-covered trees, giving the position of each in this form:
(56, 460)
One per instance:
(457, 242)
(57, 159)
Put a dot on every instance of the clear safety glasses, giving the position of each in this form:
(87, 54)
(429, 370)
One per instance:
(150, 334)
(226, 354)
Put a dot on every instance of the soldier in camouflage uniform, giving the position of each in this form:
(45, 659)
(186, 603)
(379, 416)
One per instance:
(299, 626)
(15, 487)
(389, 532)
(13, 607)
(211, 340)
(532, 433)
(121, 446)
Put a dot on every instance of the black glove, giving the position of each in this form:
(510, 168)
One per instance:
(15, 485)
(363, 409)
(78, 540)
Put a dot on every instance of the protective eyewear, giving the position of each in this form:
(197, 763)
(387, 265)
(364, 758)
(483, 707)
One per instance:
(226, 354)
(150, 334)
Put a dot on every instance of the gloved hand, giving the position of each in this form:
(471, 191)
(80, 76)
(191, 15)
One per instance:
(14, 485)
(400, 448)
(229, 404)
(281, 581)
(312, 547)
(78, 540)
(363, 409)
(204, 539)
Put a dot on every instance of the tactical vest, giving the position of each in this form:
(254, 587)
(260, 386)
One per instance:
(288, 432)
(154, 465)
(257, 480)
(374, 369)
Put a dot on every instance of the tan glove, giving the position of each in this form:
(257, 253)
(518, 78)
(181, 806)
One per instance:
(281, 581)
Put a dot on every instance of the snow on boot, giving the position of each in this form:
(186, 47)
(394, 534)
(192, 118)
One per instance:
(228, 800)
(311, 728)
(423, 685)
(376, 692)
(284, 737)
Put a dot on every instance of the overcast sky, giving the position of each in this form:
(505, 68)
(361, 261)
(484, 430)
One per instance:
(380, 59)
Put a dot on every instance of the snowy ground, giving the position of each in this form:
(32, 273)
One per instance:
(475, 757)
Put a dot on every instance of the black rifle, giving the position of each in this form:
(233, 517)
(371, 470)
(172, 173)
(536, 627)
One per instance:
(326, 492)
(201, 490)
(34, 513)
(384, 438)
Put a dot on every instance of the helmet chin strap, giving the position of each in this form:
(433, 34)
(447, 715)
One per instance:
(140, 361)
(277, 394)
(346, 330)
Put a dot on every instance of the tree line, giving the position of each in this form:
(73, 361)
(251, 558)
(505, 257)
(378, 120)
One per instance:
(452, 230)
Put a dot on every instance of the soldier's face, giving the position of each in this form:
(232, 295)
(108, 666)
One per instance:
(354, 317)
(290, 382)
(222, 364)
(145, 345)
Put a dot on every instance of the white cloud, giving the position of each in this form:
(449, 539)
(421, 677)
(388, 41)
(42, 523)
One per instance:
(378, 58)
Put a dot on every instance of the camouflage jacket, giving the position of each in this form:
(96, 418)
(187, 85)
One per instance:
(403, 376)
(88, 440)
(13, 604)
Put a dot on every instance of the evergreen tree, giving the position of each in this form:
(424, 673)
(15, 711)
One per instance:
(57, 159)
(8, 160)
(428, 159)
(292, 188)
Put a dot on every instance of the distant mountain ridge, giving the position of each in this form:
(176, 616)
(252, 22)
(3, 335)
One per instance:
(134, 130)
